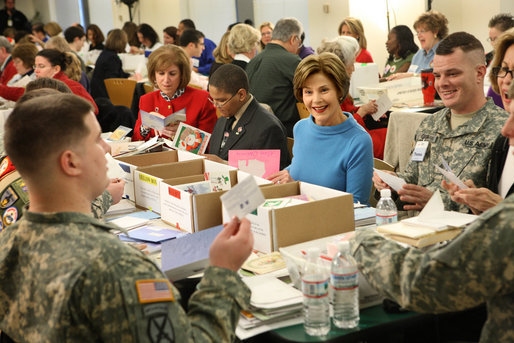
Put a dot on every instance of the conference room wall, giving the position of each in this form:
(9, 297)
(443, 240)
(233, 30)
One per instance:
(213, 16)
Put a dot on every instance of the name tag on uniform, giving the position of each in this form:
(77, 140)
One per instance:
(418, 155)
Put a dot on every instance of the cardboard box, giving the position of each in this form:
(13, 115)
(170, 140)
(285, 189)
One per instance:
(365, 75)
(330, 213)
(193, 212)
(403, 91)
(130, 163)
(147, 181)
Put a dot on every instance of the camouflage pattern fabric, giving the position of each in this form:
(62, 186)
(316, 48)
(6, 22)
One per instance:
(101, 204)
(467, 149)
(66, 278)
(13, 193)
(476, 267)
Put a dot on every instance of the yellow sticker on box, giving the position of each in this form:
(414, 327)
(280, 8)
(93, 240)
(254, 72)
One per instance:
(148, 179)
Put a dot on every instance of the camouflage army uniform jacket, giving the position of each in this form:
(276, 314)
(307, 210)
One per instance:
(467, 149)
(66, 278)
(476, 267)
(101, 204)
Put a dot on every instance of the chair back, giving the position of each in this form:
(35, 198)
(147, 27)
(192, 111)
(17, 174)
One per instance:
(120, 91)
(302, 110)
(290, 143)
(148, 88)
(380, 165)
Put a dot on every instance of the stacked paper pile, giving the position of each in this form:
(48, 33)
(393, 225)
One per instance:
(273, 304)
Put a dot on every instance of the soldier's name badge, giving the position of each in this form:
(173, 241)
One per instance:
(419, 151)
(154, 290)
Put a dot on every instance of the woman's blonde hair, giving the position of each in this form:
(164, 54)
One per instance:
(356, 27)
(263, 25)
(329, 65)
(221, 54)
(52, 28)
(166, 56)
(73, 69)
(243, 38)
(57, 43)
(503, 42)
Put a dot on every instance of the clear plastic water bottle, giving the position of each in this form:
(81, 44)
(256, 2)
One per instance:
(344, 281)
(386, 211)
(316, 306)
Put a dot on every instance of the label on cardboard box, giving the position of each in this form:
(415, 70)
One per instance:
(148, 179)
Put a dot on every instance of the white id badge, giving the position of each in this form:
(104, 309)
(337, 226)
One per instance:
(419, 151)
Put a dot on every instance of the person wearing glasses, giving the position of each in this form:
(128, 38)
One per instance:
(431, 27)
(271, 72)
(244, 124)
(463, 133)
(497, 25)
(500, 176)
(170, 72)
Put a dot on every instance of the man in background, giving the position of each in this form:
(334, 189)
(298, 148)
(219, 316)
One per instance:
(11, 17)
(272, 71)
(463, 133)
(206, 58)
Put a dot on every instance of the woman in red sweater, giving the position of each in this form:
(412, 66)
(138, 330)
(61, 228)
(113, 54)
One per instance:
(52, 63)
(169, 69)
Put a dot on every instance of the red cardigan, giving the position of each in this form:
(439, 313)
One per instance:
(14, 93)
(8, 73)
(378, 136)
(200, 112)
(364, 57)
(76, 88)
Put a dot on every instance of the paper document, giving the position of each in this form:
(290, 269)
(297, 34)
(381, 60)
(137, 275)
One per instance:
(243, 198)
(393, 181)
(448, 173)
(384, 104)
(434, 216)
(114, 170)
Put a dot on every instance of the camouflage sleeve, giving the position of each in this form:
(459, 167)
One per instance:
(116, 300)
(101, 204)
(464, 273)
(214, 308)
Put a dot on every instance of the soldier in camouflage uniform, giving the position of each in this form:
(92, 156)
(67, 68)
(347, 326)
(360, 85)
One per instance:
(66, 278)
(459, 69)
(476, 267)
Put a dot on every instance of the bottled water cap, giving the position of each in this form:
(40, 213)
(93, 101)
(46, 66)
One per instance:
(343, 246)
(385, 192)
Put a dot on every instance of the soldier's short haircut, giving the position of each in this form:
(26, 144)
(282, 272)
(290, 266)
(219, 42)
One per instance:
(39, 129)
(190, 36)
(285, 28)
(46, 82)
(229, 78)
(464, 41)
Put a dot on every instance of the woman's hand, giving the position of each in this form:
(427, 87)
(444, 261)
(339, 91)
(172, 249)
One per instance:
(169, 131)
(477, 199)
(281, 177)
(369, 108)
(398, 76)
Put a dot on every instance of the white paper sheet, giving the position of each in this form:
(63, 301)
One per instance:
(243, 198)
(384, 104)
(393, 181)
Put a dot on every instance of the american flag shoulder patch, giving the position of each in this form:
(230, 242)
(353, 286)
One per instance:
(155, 290)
